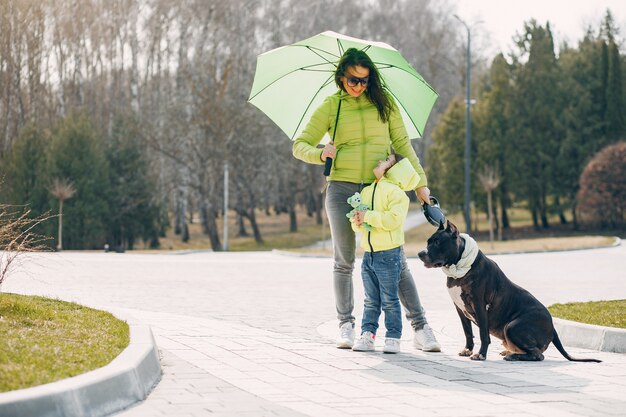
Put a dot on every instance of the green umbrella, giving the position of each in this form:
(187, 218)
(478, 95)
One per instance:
(292, 81)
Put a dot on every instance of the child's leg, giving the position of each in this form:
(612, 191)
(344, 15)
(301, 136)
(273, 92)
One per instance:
(371, 308)
(387, 265)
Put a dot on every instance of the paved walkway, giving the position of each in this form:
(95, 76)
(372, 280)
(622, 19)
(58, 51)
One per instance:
(251, 334)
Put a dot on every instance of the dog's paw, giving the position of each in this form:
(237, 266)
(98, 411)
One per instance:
(511, 357)
(504, 353)
(465, 352)
(478, 357)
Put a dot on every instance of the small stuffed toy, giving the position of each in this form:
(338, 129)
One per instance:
(357, 205)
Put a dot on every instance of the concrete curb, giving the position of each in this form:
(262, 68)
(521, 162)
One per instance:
(589, 336)
(123, 382)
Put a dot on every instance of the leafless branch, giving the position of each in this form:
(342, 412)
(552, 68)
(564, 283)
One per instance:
(17, 237)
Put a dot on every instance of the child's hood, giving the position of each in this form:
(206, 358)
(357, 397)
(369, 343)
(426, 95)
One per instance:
(403, 175)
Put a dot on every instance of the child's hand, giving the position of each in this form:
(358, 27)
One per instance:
(359, 217)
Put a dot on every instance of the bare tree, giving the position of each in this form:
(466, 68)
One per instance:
(17, 237)
(184, 70)
(61, 189)
(489, 179)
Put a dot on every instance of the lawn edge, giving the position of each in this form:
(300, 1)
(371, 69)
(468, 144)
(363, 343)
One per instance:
(590, 336)
(126, 380)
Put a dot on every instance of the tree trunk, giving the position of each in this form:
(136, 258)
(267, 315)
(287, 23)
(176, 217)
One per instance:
(190, 209)
(544, 213)
(293, 220)
(535, 217)
(318, 209)
(214, 237)
(490, 215)
(252, 217)
(181, 209)
(60, 243)
(562, 218)
(185, 233)
(204, 214)
(240, 223)
(498, 224)
(575, 225)
(255, 226)
(503, 207)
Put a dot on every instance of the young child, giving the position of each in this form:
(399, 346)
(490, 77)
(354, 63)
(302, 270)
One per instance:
(388, 206)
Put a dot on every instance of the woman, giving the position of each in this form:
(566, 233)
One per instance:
(367, 123)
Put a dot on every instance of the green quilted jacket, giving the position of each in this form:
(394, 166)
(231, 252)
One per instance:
(361, 139)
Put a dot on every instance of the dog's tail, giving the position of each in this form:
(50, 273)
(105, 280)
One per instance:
(559, 346)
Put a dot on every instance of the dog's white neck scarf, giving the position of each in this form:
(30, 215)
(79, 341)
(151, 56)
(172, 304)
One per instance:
(467, 259)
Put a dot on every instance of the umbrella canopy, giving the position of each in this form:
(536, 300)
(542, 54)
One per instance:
(292, 81)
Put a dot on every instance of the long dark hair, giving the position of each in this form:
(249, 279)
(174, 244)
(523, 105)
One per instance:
(375, 91)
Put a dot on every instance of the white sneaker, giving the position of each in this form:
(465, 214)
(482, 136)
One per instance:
(425, 340)
(346, 336)
(365, 343)
(391, 345)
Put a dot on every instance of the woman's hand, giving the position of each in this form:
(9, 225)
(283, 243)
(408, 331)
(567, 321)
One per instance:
(329, 151)
(423, 193)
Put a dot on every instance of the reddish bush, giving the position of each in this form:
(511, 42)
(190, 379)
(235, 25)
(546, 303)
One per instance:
(602, 195)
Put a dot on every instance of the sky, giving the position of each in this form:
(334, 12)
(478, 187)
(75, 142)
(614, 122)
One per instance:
(501, 19)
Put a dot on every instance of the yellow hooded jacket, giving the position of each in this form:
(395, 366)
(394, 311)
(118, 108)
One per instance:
(389, 206)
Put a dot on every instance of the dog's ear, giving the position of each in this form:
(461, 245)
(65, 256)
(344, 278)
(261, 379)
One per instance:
(452, 228)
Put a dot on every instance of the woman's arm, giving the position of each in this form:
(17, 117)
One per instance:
(305, 146)
(402, 144)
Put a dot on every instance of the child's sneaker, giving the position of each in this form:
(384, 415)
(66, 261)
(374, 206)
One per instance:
(346, 336)
(365, 343)
(391, 345)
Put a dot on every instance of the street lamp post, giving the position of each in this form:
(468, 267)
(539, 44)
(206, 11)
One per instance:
(225, 205)
(468, 129)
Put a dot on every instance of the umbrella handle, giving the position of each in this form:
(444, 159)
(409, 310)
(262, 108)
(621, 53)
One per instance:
(329, 161)
(327, 166)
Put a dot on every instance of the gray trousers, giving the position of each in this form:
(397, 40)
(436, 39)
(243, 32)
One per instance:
(344, 248)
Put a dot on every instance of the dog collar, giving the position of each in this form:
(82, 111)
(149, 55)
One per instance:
(467, 259)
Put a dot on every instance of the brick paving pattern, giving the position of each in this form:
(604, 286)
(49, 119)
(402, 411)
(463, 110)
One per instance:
(251, 334)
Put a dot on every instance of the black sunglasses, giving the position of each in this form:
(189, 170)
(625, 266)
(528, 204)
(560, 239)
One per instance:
(353, 81)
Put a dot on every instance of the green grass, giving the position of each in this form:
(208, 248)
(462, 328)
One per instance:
(44, 340)
(601, 313)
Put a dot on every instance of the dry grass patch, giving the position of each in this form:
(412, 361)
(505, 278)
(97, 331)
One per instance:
(520, 220)
(274, 231)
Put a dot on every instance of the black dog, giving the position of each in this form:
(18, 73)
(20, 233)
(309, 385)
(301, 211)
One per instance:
(483, 295)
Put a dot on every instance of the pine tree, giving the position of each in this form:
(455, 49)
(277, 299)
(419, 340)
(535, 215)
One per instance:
(134, 213)
(491, 136)
(615, 122)
(537, 133)
(23, 171)
(77, 155)
(445, 156)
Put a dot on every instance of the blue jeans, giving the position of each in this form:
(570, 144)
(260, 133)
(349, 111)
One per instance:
(344, 248)
(381, 276)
